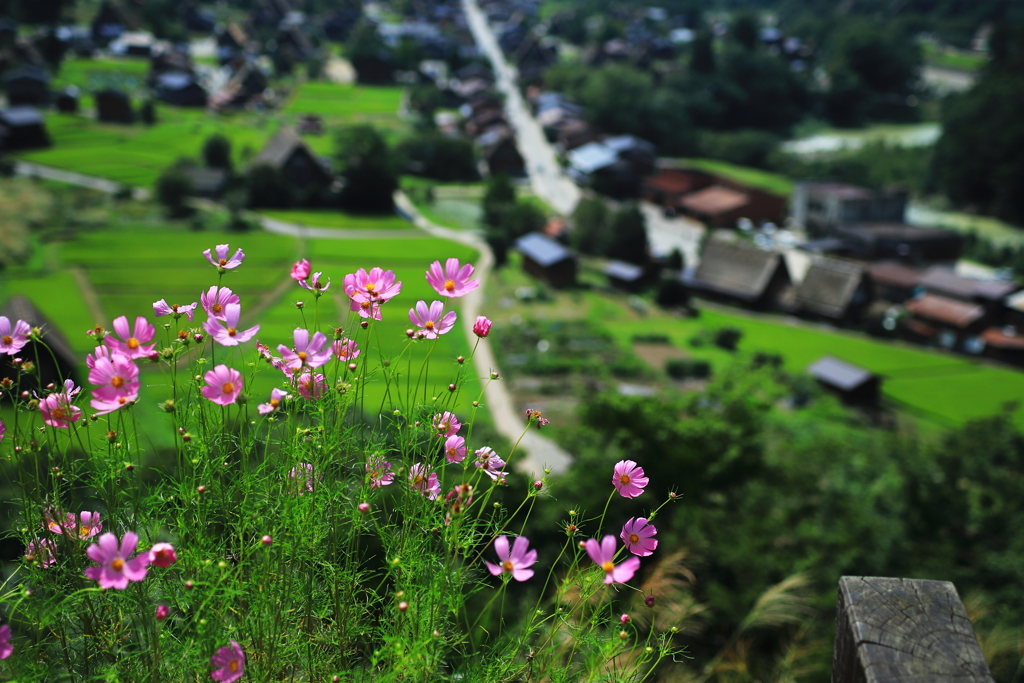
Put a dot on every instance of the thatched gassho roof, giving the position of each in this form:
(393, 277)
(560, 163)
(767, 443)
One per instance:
(828, 287)
(738, 271)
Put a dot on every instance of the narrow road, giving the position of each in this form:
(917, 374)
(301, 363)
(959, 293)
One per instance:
(31, 170)
(546, 176)
(539, 451)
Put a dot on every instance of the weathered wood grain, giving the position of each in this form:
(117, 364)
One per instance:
(904, 631)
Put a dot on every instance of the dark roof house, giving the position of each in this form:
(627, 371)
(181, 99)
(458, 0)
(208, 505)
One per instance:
(627, 276)
(547, 260)
(942, 280)
(833, 289)
(113, 106)
(22, 128)
(852, 383)
(953, 324)
(287, 152)
(27, 86)
(179, 88)
(56, 367)
(820, 207)
(909, 243)
(743, 273)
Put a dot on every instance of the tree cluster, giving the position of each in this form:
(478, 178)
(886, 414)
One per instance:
(506, 218)
(620, 234)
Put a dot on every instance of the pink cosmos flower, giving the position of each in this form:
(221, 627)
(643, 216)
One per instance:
(451, 281)
(638, 536)
(314, 285)
(162, 555)
(116, 569)
(482, 326)
(446, 424)
(162, 612)
(3, 430)
(492, 465)
(135, 340)
(177, 310)
(57, 410)
(603, 556)
(276, 396)
(228, 663)
(42, 552)
(84, 525)
(369, 290)
(5, 642)
(308, 352)
(13, 340)
(628, 479)
(455, 449)
(424, 482)
(229, 334)
(98, 352)
(301, 477)
(223, 262)
(515, 561)
(430, 320)
(215, 301)
(311, 387)
(223, 385)
(345, 350)
(118, 382)
(301, 270)
(379, 471)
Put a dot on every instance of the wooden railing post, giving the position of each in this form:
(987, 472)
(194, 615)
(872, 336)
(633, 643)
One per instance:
(904, 631)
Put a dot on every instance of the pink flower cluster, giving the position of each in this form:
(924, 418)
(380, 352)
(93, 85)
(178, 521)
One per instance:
(115, 565)
(13, 339)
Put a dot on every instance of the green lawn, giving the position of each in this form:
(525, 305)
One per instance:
(137, 154)
(952, 59)
(327, 218)
(755, 177)
(329, 99)
(92, 75)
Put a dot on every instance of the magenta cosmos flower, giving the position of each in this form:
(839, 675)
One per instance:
(13, 339)
(482, 326)
(301, 270)
(307, 352)
(638, 536)
(3, 430)
(424, 482)
(378, 471)
(490, 463)
(117, 380)
(42, 552)
(135, 340)
(215, 301)
(84, 525)
(431, 320)
(57, 410)
(451, 280)
(177, 310)
(369, 290)
(228, 334)
(315, 285)
(446, 424)
(223, 385)
(455, 449)
(628, 479)
(162, 555)
(345, 349)
(228, 663)
(515, 561)
(603, 555)
(311, 386)
(5, 642)
(115, 568)
(222, 262)
(276, 396)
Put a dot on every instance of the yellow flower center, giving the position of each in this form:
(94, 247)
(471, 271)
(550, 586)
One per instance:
(452, 452)
(429, 324)
(418, 480)
(228, 387)
(83, 531)
(449, 286)
(223, 261)
(274, 403)
(370, 287)
(608, 566)
(217, 308)
(132, 343)
(364, 304)
(122, 400)
(117, 382)
(58, 414)
(232, 331)
(507, 564)
(8, 339)
(634, 538)
(233, 665)
(117, 565)
(302, 356)
(624, 478)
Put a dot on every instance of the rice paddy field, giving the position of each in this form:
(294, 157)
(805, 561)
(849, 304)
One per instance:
(328, 218)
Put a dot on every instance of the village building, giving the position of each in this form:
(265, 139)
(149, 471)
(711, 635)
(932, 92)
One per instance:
(287, 152)
(628, 277)
(900, 241)
(988, 293)
(741, 273)
(180, 89)
(499, 153)
(819, 208)
(1004, 343)
(711, 198)
(27, 86)
(952, 324)
(113, 106)
(833, 289)
(22, 128)
(547, 260)
(67, 100)
(893, 281)
(853, 384)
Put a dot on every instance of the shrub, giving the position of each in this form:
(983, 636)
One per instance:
(173, 189)
(672, 293)
(728, 338)
(681, 368)
(217, 152)
(651, 338)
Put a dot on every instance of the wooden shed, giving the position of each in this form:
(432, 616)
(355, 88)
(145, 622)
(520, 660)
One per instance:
(852, 383)
(547, 260)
